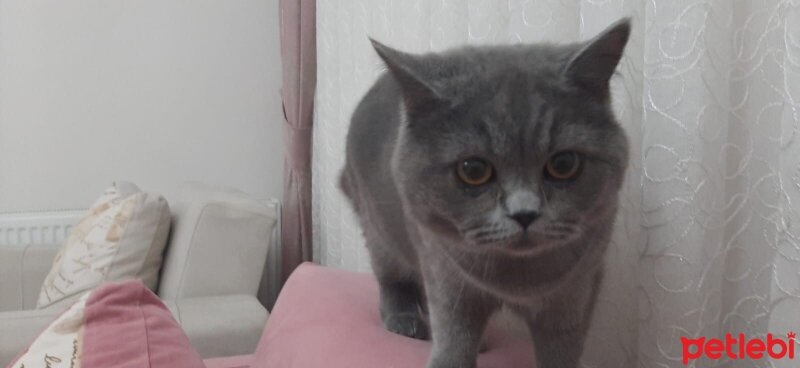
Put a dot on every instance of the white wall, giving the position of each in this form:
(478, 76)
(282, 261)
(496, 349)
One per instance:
(157, 92)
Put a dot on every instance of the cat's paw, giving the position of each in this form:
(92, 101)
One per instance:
(407, 324)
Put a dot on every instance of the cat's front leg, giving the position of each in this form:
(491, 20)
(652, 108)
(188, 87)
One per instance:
(401, 293)
(558, 348)
(559, 330)
(458, 315)
(399, 308)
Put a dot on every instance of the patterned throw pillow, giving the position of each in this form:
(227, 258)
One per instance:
(118, 325)
(122, 237)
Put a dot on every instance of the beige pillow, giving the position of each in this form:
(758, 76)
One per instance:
(122, 237)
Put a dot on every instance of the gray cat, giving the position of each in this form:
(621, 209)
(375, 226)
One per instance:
(487, 177)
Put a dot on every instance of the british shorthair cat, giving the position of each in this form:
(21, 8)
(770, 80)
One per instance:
(488, 177)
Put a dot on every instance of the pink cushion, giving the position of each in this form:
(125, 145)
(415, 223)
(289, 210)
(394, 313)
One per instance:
(329, 318)
(128, 326)
(241, 361)
(123, 325)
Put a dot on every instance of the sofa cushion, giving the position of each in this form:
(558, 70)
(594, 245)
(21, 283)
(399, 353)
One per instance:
(117, 325)
(23, 269)
(122, 237)
(221, 325)
(19, 328)
(59, 345)
(220, 229)
(329, 318)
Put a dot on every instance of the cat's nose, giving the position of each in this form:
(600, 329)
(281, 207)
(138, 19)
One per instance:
(524, 218)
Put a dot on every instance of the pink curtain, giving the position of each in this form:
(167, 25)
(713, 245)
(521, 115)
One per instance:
(298, 55)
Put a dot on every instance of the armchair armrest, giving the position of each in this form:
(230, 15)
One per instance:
(22, 272)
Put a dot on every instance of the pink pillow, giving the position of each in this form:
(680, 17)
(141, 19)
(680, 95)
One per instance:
(239, 361)
(126, 325)
(329, 318)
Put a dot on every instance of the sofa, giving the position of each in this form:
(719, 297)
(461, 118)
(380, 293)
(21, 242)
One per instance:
(209, 278)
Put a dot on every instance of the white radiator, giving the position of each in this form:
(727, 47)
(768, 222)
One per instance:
(45, 227)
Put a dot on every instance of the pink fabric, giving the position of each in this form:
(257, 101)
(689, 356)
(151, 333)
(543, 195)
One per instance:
(299, 60)
(329, 318)
(128, 326)
(241, 361)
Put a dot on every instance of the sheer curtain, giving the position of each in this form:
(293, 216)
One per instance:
(706, 241)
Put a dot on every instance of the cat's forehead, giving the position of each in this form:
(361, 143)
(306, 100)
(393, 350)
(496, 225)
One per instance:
(518, 121)
(511, 89)
(519, 127)
(514, 102)
(542, 64)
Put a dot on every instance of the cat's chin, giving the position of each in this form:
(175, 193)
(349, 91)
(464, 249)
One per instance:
(516, 246)
(525, 247)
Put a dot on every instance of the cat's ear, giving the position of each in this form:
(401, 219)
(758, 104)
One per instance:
(409, 71)
(594, 64)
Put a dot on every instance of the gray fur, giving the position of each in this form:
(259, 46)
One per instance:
(448, 255)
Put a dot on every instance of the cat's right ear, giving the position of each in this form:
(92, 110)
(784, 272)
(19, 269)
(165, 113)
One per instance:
(594, 64)
(419, 92)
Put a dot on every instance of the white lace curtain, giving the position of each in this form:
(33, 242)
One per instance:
(706, 241)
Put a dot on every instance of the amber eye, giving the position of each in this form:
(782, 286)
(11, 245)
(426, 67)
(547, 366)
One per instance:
(474, 171)
(563, 166)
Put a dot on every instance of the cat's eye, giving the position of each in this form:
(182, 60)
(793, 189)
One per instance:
(474, 171)
(563, 166)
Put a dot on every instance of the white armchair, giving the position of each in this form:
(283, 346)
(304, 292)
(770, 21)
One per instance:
(209, 279)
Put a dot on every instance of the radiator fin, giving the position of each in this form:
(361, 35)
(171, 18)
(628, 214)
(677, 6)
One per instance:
(37, 227)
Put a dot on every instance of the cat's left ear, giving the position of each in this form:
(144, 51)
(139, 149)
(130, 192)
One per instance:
(594, 64)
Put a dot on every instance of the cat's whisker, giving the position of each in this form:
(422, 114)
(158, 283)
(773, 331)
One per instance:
(468, 229)
(481, 234)
(498, 239)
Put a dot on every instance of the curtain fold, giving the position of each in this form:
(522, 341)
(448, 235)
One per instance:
(298, 57)
(707, 239)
